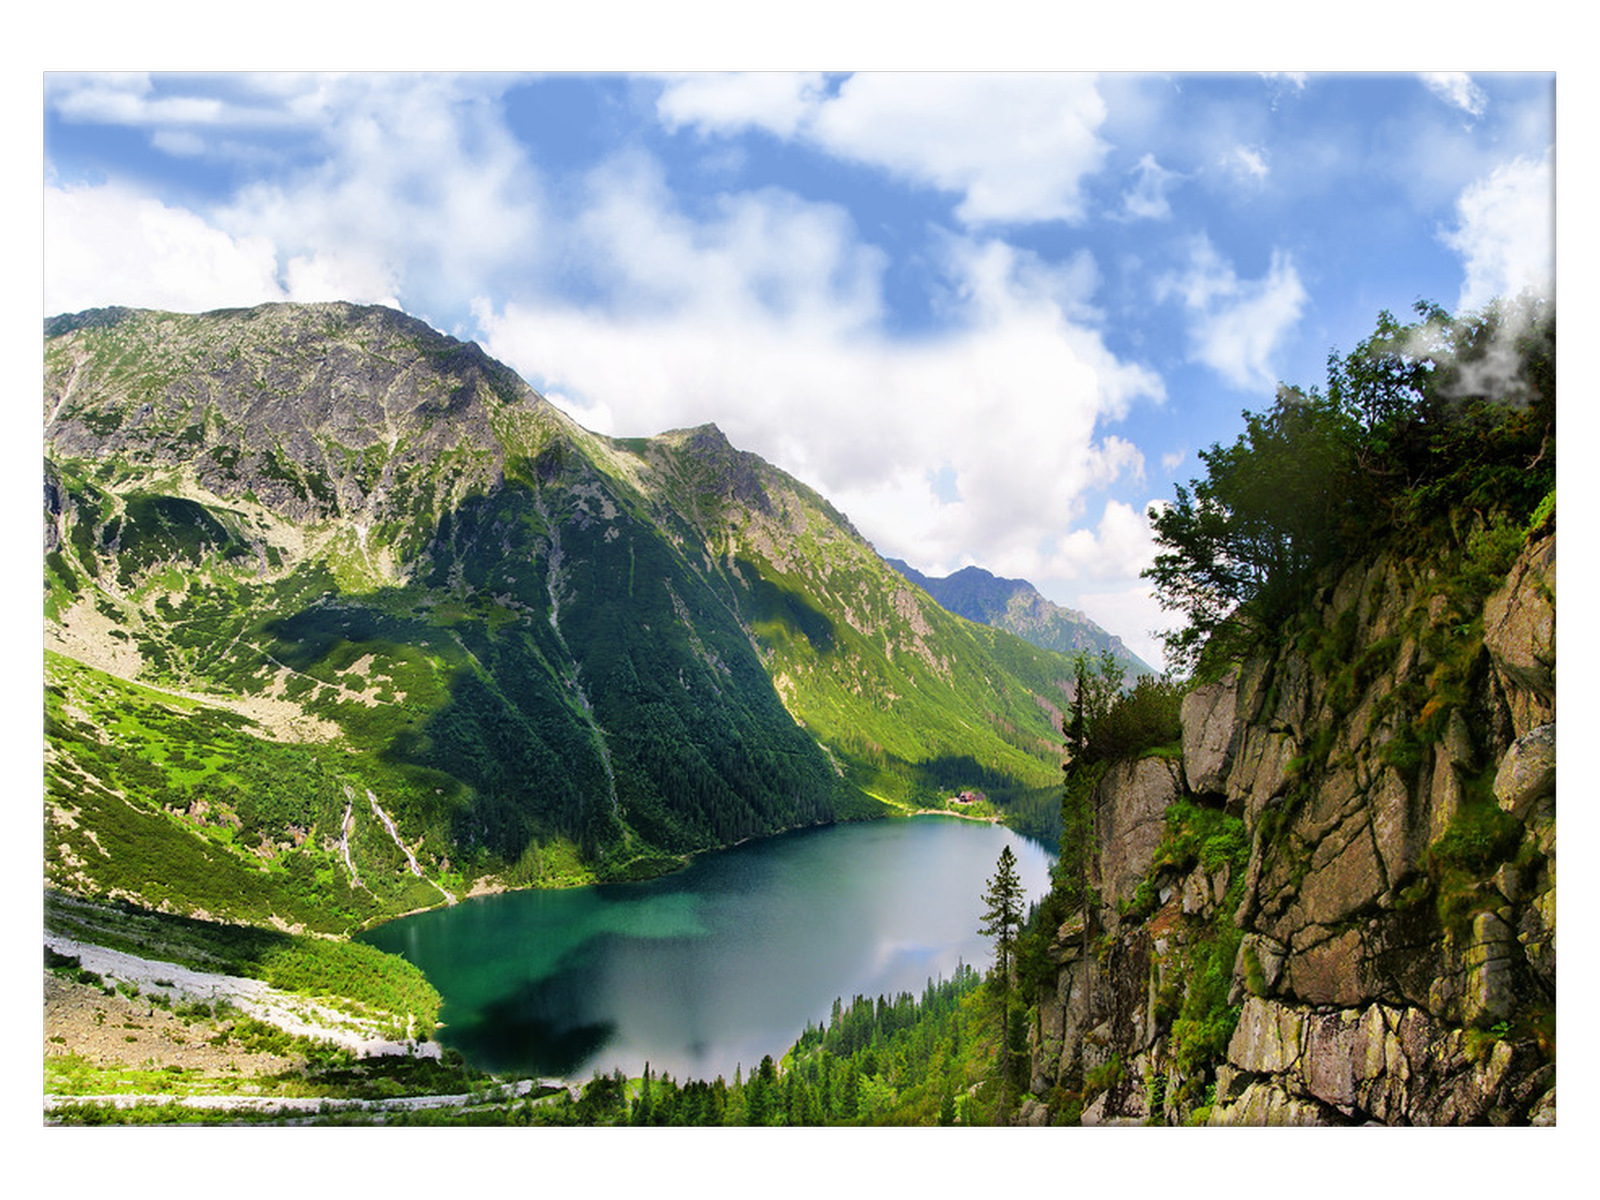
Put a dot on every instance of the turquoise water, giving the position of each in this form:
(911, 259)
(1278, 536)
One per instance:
(709, 969)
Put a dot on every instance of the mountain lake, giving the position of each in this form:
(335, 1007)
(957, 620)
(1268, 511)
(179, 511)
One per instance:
(707, 970)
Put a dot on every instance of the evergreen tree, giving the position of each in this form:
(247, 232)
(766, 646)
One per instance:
(1002, 914)
(1002, 917)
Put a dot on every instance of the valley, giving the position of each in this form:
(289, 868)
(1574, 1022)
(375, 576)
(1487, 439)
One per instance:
(328, 544)
(345, 623)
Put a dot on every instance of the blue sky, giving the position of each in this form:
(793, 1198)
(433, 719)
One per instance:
(991, 316)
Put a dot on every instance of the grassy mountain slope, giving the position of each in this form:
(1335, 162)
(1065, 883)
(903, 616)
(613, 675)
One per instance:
(342, 619)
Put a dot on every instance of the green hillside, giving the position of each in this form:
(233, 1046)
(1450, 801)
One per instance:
(343, 619)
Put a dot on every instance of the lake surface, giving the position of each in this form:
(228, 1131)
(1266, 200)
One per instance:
(711, 968)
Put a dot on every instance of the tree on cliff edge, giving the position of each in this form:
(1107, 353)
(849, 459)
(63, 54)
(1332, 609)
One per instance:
(1422, 426)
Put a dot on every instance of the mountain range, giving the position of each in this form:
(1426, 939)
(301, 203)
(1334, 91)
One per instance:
(343, 619)
(1016, 606)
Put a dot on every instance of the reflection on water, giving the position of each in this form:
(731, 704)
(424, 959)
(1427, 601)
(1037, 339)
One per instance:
(532, 1024)
(710, 969)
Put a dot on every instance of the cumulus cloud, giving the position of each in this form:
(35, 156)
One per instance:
(761, 310)
(355, 276)
(933, 130)
(1458, 89)
(420, 189)
(1236, 325)
(766, 250)
(767, 319)
(1097, 571)
(110, 244)
(391, 185)
(1506, 232)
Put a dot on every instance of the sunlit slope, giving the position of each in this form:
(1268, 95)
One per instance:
(398, 626)
(912, 699)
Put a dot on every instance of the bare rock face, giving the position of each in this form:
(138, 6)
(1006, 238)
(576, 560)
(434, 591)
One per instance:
(1264, 1104)
(1210, 733)
(1394, 1065)
(53, 504)
(1519, 631)
(1260, 768)
(1129, 822)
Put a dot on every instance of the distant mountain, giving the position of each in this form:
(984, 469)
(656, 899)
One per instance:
(1016, 606)
(343, 619)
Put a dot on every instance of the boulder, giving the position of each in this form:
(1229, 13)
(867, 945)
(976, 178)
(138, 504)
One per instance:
(1544, 1110)
(1527, 771)
(1033, 1112)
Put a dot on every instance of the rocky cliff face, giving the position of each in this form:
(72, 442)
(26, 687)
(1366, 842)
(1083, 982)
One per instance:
(1374, 940)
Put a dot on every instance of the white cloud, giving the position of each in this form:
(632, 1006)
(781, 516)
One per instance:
(419, 191)
(1506, 232)
(358, 278)
(934, 130)
(776, 101)
(764, 251)
(767, 320)
(761, 310)
(240, 101)
(1098, 573)
(109, 244)
(1236, 325)
(1458, 89)
(1147, 199)
(1247, 163)
(1287, 79)
(1118, 548)
(391, 185)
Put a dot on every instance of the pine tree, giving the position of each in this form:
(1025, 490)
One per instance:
(1002, 914)
(1002, 917)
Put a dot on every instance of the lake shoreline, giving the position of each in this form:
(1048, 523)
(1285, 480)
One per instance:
(718, 964)
(488, 885)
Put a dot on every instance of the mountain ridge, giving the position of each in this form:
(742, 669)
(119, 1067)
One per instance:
(333, 543)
